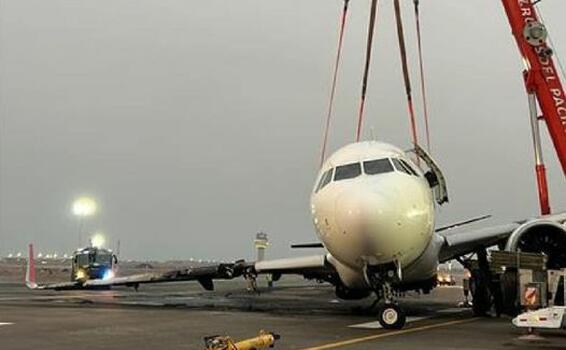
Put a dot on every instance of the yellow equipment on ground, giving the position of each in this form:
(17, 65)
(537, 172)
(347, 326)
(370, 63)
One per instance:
(263, 341)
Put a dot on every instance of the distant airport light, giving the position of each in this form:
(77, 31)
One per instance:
(84, 206)
(97, 240)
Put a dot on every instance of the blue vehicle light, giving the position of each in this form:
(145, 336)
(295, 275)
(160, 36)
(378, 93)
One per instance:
(108, 274)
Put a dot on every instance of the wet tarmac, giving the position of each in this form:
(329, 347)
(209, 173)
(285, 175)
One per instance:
(305, 314)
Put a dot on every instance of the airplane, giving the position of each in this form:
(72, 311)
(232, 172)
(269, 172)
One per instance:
(373, 209)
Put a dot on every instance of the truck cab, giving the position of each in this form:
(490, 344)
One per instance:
(93, 263)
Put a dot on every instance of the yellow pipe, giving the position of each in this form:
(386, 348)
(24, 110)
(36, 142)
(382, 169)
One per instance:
(263, 341)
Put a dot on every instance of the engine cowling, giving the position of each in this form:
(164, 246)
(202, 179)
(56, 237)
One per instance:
(541, 236)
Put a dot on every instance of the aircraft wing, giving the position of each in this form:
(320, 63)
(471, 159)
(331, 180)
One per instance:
(55, 286)
(311, 267)
(203, 274)
(462, 242)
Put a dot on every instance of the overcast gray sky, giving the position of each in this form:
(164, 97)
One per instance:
(195, 124)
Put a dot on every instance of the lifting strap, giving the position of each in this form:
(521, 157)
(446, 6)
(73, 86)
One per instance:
(406, 77)
(422, 75)
(334, 79)
(372, 16)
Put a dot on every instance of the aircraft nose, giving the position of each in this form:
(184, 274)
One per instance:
(363, 218)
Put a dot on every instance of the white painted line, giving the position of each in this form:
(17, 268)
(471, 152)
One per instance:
(376, 325)
(5, 323)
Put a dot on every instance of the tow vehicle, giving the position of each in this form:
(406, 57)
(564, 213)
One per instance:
(93, 263)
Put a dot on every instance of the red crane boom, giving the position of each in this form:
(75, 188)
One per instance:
(542, 83)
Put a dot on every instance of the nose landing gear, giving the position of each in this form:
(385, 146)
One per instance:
(381, 278)
(391, 316)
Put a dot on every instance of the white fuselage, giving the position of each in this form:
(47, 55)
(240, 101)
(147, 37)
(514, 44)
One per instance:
(371, 205)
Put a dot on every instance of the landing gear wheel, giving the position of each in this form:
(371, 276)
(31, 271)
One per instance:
(391, 316)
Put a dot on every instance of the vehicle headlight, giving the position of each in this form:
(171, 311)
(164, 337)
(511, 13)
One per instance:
(108, 274)
(81, 274)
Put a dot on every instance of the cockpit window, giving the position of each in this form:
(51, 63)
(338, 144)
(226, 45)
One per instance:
(409, 167)
(348, 171)
(400, 167)
(325, 179)
(379, 166)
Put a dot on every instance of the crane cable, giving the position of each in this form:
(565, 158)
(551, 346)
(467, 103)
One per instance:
(406, 78)
(372, 16)
(422, 75)
(334, 79)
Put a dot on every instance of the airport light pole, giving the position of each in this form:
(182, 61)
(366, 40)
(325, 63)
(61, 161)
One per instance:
(83, 207)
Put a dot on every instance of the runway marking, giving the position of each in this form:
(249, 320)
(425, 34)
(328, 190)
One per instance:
(5, 323)
(388, 334)
(377, 325)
